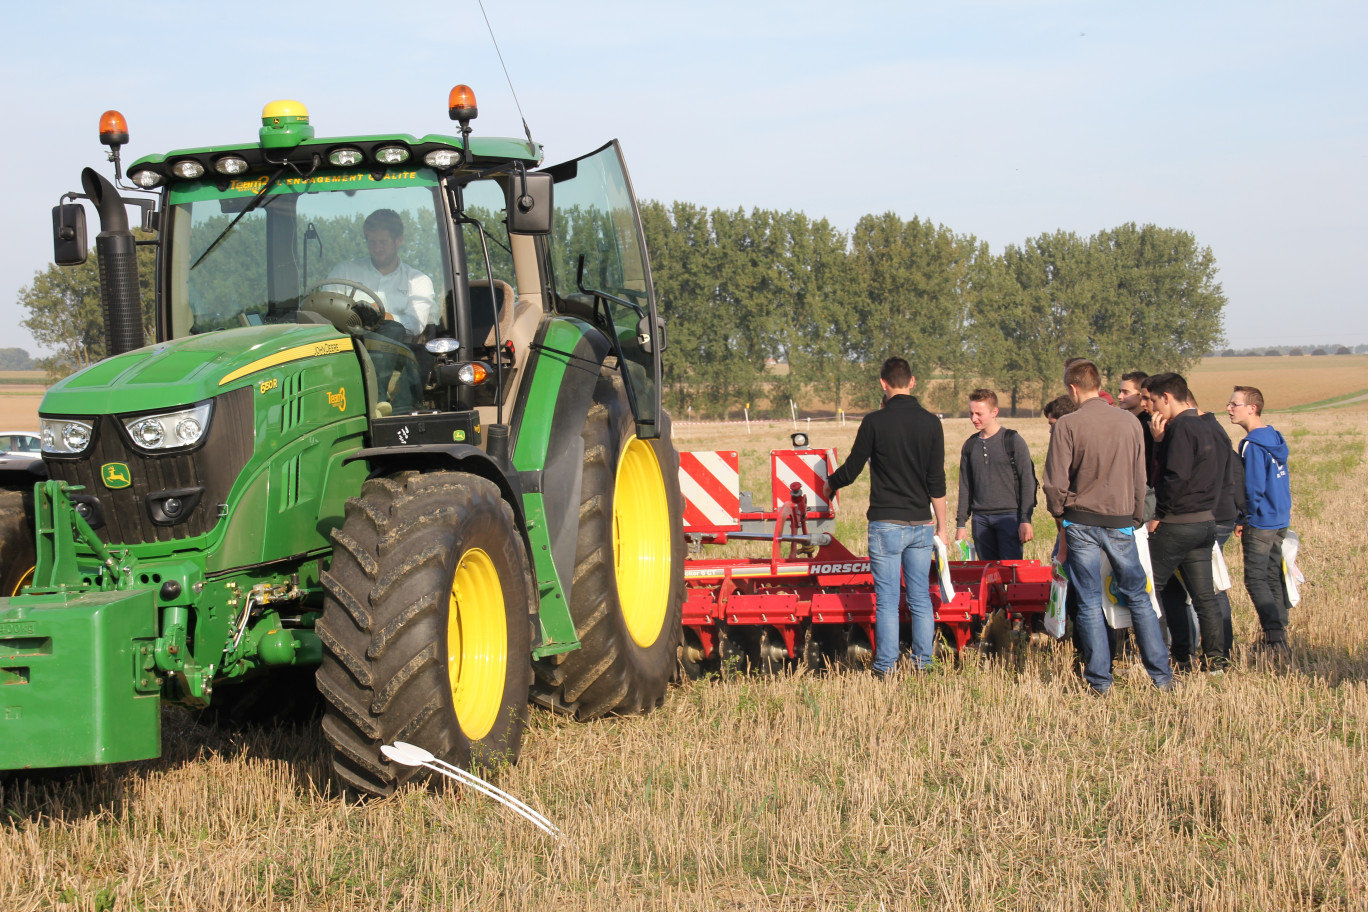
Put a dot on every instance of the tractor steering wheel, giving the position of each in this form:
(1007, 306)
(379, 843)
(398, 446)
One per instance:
(370, 313)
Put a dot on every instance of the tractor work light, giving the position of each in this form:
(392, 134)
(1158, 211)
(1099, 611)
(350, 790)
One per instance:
(391, 155)
(442, 158)
(461, 104)
(65, 436)
(345, 157)
(442, 346)
(170, 430)
(113, 129)
(145, 178)
(188, 168)
(230, 165)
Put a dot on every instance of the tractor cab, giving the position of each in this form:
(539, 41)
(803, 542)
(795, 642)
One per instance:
(436, 256)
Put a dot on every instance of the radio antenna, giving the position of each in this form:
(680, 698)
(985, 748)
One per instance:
(531, 146)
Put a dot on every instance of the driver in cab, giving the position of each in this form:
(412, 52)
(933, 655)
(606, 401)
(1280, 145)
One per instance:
(406, 293)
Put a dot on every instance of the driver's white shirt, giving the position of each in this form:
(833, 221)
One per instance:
(406, 292)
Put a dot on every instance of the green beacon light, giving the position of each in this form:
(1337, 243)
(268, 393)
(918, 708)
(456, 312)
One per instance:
(284, 125)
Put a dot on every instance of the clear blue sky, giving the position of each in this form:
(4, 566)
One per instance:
(1243, 122)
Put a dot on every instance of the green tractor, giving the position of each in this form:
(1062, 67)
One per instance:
(399, 437)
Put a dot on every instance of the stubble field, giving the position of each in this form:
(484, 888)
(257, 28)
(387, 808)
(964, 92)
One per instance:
(997, 784)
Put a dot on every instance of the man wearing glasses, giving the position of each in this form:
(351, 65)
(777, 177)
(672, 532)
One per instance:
(1268, 512)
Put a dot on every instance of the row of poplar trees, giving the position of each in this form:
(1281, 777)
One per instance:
(771, 306)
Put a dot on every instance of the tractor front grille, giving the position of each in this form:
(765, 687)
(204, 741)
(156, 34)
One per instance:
(212, 467)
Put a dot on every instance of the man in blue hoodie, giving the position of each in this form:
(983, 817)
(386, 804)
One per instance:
(1268, 512)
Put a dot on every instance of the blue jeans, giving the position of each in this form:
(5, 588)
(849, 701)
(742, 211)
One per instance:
(997, 536)
(898, 553)
(1086, 545)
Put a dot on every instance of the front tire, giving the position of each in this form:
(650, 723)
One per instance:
(628, 591)
(17, 552)
(426, 628)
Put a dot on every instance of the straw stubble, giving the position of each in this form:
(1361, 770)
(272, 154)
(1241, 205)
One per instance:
(992, 785)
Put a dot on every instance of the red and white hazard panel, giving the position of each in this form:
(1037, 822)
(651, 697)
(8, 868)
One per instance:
(711, 484)
(809, 468)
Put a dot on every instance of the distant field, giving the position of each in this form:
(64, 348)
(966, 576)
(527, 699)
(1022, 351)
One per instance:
(1286, 382)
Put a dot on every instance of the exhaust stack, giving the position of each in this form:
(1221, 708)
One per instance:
(120, 295)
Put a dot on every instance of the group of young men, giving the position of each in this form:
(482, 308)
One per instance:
(1151, 474)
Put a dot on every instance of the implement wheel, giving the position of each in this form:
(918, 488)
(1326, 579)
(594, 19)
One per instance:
(628, 592)
(426, 628)
(17, 552)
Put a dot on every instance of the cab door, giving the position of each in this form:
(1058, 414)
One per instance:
(599, 261)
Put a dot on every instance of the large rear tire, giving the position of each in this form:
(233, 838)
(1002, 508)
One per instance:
(17, 551)
(628, 591)
(426, 628)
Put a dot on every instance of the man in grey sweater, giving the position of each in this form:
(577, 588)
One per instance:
(996, 484)
(1095, 488)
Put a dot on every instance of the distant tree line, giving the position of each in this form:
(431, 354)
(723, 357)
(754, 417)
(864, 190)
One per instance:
(741, 291)
(1280, 350)
(16, 359)
(65, 314)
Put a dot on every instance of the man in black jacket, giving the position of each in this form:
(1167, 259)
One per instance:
(904, 445)
(1193, 471)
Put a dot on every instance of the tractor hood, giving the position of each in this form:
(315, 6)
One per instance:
(188, 370)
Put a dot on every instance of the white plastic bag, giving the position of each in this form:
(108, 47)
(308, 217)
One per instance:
(1056, 614)
(943, 570)
(1142, 547)
(1292, 577)
(1220, 573)
(964, 550)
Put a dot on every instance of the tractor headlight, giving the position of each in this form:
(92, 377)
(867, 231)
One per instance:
(188, 168)
(345, 157)
(442, 158)
(146, 178)
(171, 430)
(391, 155)
(65, 436)
(230, 165)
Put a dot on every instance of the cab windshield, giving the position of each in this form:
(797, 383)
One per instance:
(380, 242)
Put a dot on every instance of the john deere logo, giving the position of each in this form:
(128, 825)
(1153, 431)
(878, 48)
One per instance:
(115, 475)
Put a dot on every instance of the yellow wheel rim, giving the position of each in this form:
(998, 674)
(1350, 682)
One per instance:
(25, 580)
(642, 542)
(477, 644)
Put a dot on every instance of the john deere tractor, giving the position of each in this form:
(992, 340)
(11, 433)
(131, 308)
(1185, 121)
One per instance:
(399, 433)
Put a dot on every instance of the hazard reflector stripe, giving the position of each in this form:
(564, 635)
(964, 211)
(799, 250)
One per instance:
(711, 484)
(807, 467)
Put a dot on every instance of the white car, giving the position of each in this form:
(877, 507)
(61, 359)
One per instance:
(21, 443)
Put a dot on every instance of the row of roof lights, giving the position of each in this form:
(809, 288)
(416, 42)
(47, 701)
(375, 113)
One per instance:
(341, 157)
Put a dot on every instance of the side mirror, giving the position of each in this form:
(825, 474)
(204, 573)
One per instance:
(529, 203)
(69, 234)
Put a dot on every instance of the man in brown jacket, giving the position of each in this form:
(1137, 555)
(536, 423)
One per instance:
(1094, 487)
